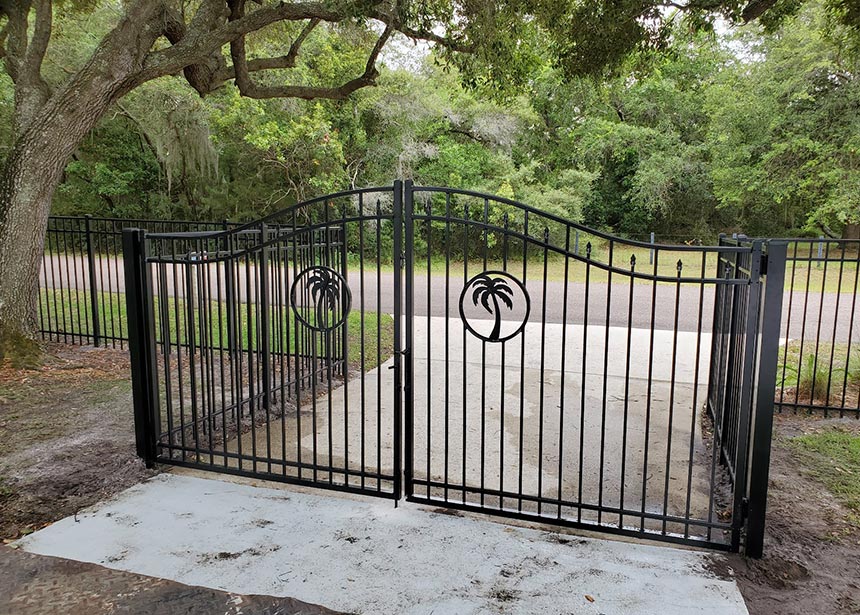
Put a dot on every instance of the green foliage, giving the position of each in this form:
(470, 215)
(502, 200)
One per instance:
(755, 131)
(785, 129)
(812, 377)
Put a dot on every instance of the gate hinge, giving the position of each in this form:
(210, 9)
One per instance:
(403, 260)
(745, 508)
(763, 267)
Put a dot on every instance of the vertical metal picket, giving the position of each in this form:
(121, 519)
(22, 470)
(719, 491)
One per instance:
(93, 284)
(141, 329)
(410, 332)
(265, 316)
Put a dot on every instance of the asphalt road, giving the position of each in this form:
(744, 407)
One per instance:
(692, 305)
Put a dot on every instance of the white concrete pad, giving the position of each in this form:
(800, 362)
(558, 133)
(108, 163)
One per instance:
(364, 556)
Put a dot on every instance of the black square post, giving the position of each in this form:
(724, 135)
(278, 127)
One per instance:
(141, 343)
(762, 424)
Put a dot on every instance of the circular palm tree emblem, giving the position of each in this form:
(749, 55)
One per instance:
(320, 298)
(499, 296)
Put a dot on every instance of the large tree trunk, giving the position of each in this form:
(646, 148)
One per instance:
(47, 139)
(27, 185)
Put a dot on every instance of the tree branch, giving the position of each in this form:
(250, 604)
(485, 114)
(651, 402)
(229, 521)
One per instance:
(252, 90)
(755, 9)
(201, 41)
(16, 47)
(40, 39)
(418, 34)
(24, 54)
(285, 61)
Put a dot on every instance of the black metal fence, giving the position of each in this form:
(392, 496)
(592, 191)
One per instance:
(527, 376)
(582, 407)
(82, 302)
(629, 386)
(82, 289)
(743, 373)
(819, 362)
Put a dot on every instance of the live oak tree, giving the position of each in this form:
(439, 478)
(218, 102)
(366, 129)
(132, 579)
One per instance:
(495, 44)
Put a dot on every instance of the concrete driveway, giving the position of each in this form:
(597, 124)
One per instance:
(362, 555)
(543, 426)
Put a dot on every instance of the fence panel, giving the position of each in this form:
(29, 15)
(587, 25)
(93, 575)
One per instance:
(82, 288)
(274, 345)
(819, 362)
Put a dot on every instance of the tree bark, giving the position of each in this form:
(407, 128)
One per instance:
(34, 168)
(50, 124)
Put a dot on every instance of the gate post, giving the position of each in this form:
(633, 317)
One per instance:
(771, 322)
(752, 318)
(400, 259)
(141, 343)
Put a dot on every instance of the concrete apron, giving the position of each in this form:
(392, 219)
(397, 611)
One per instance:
(362, 555)
(354, 430)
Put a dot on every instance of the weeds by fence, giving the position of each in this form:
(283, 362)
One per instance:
(820, 357)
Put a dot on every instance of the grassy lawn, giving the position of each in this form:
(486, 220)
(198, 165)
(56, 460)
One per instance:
(812, 276)
(69, 311)
(833, 457)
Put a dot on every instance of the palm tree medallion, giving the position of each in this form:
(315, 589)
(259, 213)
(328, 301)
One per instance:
(497, 293)
(320, 298)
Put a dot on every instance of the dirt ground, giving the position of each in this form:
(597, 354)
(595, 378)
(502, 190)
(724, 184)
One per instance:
(811, 560)
(67, 441)
(66, 436)
(38, 584)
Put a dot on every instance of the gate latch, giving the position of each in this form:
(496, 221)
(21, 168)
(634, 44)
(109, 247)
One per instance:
(402, 353)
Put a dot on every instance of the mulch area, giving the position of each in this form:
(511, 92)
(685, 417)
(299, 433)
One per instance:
(38, 584)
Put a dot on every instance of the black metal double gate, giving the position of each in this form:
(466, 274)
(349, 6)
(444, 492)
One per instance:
(468, 351)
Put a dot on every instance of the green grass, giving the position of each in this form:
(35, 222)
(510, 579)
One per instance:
(69, 311)
(814, 277)
(833, 457)
(809, 371)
